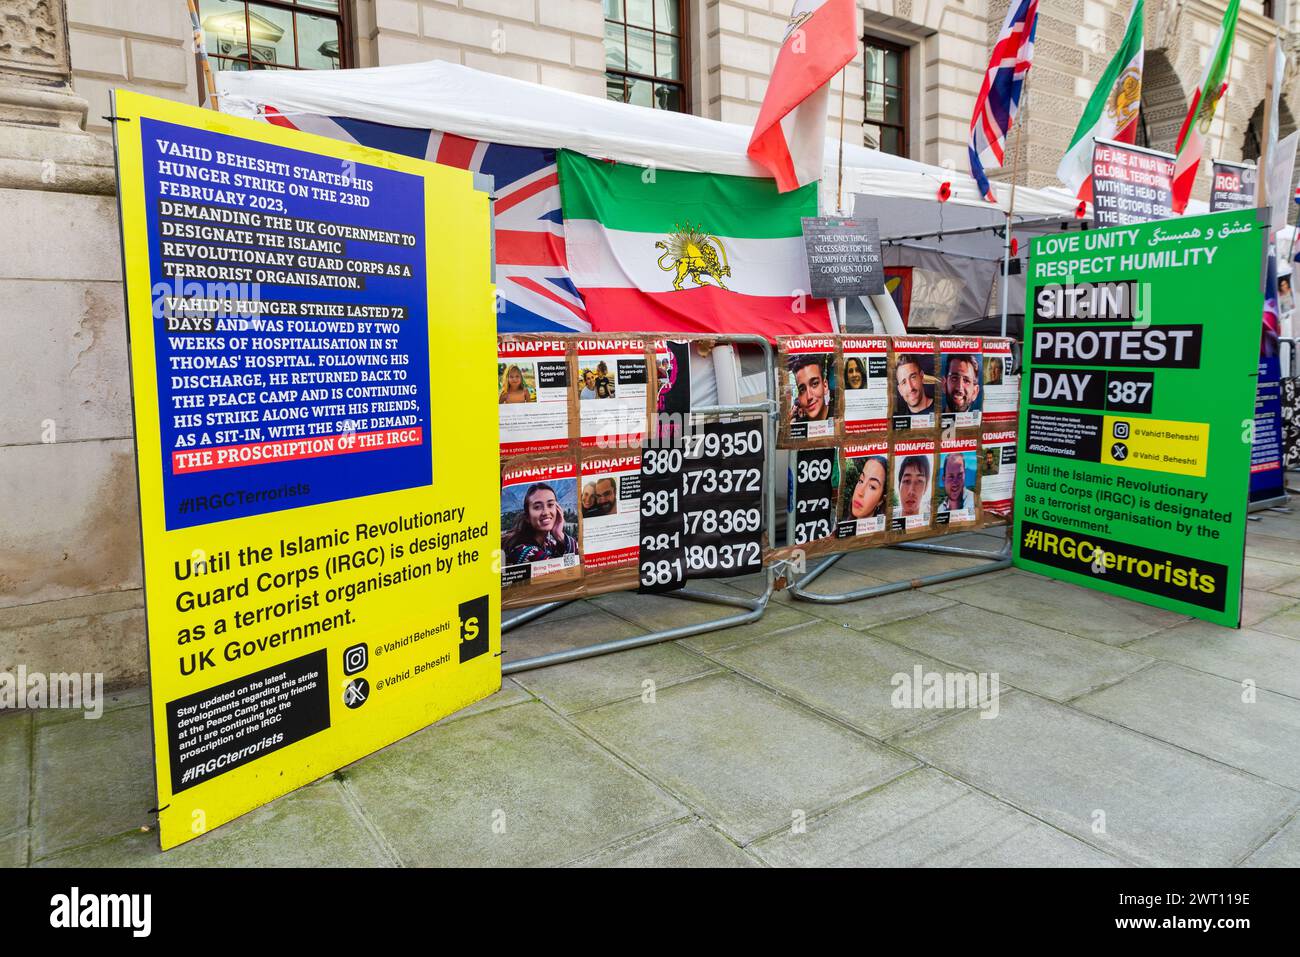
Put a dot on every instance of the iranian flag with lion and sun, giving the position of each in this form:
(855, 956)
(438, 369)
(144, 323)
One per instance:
(666, 251)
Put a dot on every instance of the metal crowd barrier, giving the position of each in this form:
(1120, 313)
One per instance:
(996, 561)
(753, 607)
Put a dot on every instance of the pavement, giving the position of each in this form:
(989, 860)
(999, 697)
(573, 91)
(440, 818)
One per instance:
(1120, 735)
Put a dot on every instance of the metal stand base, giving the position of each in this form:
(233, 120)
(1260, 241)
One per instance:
(754, 608)
(996, 562)
(1275, 502)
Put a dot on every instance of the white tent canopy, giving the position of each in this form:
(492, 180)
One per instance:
(455, 99)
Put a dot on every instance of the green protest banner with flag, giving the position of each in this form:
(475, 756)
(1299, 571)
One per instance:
(1137, 409)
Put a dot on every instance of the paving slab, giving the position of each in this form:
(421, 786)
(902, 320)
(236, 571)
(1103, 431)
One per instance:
(511, 693)
(1290, 589)
(684, 844)
(1285, 623)
(1066, 607)
(579, 685)
(1271, 661)
(986, 578)
(13, 849)
(94, 779)
(314, 826)
(565, 610)
(656, 612)
(927, 819)
(515, 786)
(1269, 575)
(589, 625)
(1206, 714)
(744, 756)
(1162, 806)
(1025, 655)
(840, 672)
(866, 612)
(901, 564)
(1284, 550)
(753, 585)
(834, 579)
(1281, 850)
(15, 759)
(780, 616)
(1279, 526)
(1257, 605)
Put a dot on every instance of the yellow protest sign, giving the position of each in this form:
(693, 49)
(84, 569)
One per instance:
(313, 352)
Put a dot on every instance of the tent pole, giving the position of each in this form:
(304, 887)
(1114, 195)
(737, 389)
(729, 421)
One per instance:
(1006, 271)
(1266, 145)
(203, 66)
(1011, 205)
(839, 188)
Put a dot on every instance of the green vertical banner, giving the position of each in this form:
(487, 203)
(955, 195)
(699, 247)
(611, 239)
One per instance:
(1137, 409)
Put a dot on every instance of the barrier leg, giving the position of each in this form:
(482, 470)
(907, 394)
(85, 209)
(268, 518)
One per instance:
(528, 614)
(994, 561)
(754, 611)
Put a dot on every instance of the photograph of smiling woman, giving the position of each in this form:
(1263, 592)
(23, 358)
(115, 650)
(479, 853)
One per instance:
(539, 533)
(865, 488)
(855, 373)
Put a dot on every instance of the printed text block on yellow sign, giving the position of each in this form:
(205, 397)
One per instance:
(312, 355)
(1156, 445)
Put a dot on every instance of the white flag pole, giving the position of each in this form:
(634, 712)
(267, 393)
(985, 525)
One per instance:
(1011, 205)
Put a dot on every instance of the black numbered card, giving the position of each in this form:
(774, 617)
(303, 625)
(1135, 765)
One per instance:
(723, 510)
(702, 506)
(812, 494)
(661, 559)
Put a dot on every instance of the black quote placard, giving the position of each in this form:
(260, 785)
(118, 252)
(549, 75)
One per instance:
(1233, 186)
(1130, 184)
(843, 256)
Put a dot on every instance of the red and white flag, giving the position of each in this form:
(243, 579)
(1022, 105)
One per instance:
(1112, 110)
(1196, 125)
(790, 133)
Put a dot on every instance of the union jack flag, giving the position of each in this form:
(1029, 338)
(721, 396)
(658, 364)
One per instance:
(534, 290)
(999, 95)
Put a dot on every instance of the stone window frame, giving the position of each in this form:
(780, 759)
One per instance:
(684, 53)
(903, 87)
(343, 15)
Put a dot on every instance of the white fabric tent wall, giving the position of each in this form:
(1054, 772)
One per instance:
(467, 102)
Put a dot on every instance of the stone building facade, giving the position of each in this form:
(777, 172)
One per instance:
(70, 575)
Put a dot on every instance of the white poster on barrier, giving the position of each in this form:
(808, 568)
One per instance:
(612, 381)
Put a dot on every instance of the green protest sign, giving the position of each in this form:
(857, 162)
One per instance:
(1137, 409)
